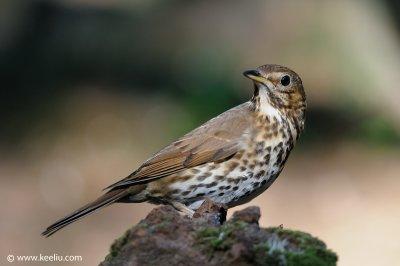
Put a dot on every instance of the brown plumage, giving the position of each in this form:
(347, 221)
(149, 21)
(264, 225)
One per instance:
(216, 140)
(231, 158)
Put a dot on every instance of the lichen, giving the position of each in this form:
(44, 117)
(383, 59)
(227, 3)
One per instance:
(263, 255)
(287, 247)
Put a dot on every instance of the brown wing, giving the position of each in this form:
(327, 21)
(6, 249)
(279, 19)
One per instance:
(217, 139)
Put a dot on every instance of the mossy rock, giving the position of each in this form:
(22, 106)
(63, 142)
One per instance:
(167, 238)
(288, 247)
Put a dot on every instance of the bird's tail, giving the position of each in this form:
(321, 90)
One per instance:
(104, 200)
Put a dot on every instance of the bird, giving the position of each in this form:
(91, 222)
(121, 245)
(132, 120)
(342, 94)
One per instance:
(230, 159)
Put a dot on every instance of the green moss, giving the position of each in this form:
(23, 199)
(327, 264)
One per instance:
(311, 257)
(287, 247)
(283, 247)
(264, 256)
(297, 238)
(218, 238)
(117, 246)
(159, 227)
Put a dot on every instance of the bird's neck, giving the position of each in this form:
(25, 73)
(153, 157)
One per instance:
(294, 116)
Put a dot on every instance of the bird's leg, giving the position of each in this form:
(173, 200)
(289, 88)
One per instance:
(182, 208)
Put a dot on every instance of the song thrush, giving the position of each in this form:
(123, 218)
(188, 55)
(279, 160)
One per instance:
(230, 159)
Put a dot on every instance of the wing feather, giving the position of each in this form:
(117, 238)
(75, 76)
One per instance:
(217, 139)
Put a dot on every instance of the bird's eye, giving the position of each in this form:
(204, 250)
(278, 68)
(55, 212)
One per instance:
(285, 80)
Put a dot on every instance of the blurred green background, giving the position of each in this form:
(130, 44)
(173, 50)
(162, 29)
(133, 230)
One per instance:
(91, 88)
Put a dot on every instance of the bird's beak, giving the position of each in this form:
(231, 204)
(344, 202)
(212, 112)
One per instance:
(254, 75)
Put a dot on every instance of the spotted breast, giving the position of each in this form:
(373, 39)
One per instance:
(250, 171)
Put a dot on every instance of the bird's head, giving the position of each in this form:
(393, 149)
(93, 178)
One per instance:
(278, 86)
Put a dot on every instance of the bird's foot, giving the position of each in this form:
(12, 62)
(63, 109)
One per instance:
(183, 208)
(214, 212)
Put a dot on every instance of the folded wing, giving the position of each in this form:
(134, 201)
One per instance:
(216, 140)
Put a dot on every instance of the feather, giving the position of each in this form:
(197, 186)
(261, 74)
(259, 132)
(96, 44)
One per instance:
(219, 138)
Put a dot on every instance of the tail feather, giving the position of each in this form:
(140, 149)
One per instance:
(105, 200)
